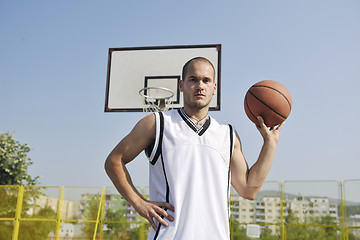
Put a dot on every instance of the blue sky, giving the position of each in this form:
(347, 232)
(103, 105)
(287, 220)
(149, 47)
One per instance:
(53, 65)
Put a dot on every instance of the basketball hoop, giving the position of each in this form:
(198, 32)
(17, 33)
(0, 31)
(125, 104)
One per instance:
(156, 99)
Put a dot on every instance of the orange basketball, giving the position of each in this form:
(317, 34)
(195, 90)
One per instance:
(270, 100)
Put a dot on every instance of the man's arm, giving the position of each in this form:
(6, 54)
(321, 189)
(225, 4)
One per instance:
(247, 182)
(129, 147)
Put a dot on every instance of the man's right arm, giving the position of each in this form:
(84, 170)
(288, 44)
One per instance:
(128, 148)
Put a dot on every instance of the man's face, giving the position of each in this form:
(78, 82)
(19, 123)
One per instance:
(198, 86)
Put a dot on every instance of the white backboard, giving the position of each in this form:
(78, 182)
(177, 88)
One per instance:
(131, 69)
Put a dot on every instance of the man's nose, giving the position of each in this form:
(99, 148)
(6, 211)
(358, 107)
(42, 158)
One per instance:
(200, 84)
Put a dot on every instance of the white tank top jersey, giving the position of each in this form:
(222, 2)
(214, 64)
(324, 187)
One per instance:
(190, 169)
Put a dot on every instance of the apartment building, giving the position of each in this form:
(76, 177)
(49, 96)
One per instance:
(268, 209)
(354, 221)
(70, 209)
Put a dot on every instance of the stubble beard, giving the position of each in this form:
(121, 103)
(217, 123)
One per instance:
(198, 105)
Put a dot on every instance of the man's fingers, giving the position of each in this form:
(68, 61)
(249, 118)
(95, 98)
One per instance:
(165, 205)
(261, 122)
(164, 213)
(152, 223)
(280, 126)
(160, 220)
(157, 214)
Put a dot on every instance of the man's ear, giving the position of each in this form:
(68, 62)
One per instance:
(181, 85)
(214, 88)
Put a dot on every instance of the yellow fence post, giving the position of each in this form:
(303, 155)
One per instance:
(342, 211)
(342, 226)
(282, 200)
(344, 232)
(59, 213)
(19, 203)
(99, 212)
(102, 216)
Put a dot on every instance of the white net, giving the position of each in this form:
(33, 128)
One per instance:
(156, 99)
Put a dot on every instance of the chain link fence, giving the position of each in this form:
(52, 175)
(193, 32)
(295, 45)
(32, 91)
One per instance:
(282, 210)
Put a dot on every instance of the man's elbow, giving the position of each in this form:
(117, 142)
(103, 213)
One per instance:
(251, 193)
(108, 164)
(249, 196)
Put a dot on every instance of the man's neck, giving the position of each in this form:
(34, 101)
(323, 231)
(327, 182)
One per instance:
(197, 114)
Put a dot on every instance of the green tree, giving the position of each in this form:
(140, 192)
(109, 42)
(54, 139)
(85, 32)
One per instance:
(90, 211)
(118, 225)
(329, 232)
(237, 231)
(38, 230)
(266, 234)
(6, 228)
(134, 233)
(14, 162)
(352, 236)
(352, 210)
(324, 227)
(293, 230)
(8, 200)
(31, 230)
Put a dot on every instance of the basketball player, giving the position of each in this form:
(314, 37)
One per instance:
(193, 160)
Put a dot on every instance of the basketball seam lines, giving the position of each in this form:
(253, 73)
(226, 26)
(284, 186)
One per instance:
(247, 105)
(274, 90)
(267, 106)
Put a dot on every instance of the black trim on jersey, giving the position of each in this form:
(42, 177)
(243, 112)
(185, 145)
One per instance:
(167, 194)
(231, 140)
(205, 127)
(231, 152)
(157, 231)
(158, 155)
(191, 124)
(187, 121)
(158, 150)
(149, 149)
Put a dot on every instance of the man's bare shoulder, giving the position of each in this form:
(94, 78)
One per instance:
(147, 121)
(145, 127)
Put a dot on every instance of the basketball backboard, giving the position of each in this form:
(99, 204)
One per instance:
(132, 69)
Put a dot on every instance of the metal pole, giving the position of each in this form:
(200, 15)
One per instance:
(59, 213)
(19, 203)
(99, 212)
